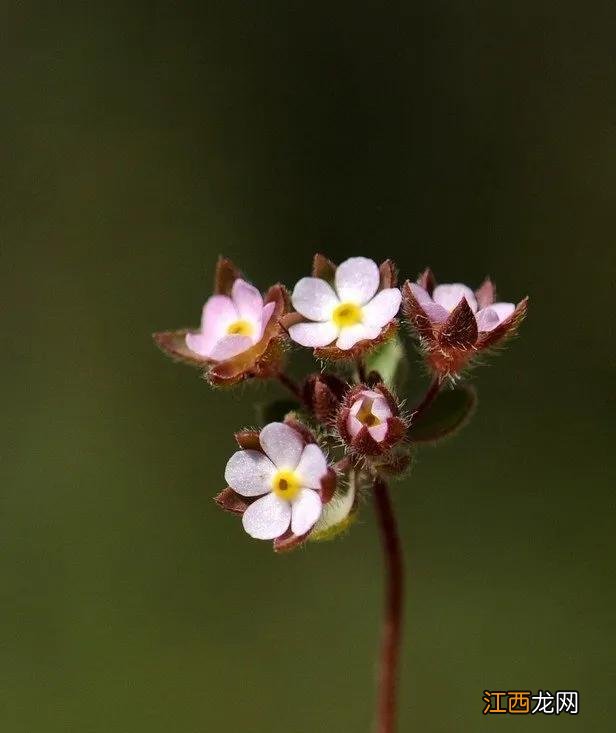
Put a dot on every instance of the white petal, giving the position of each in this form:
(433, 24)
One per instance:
(282, 444)
(357, 280)
(229, 346)
(267, 518)
(266, 314)
(352, 334)
(382, 308)
(305, 511)
(314, 298)
(450, 295)
(249, 473)
(247, 299)
(312, 466)
(314, 334)
(488, 318)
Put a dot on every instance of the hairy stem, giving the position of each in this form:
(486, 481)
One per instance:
(428, 398)
(392, 623)
(291, 385)
(361, 370)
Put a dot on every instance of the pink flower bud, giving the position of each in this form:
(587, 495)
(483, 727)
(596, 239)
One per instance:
(369, 420)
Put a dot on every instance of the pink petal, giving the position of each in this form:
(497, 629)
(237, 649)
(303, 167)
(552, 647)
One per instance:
(312, 466)
(248, 300)
(436, 313)
(199, 343)
(422, 296)
(314, 334)
(450, 295)
(267, 518)
(249, 473)
(488, 318)
(230, 346)
(378, 432)
(381, 409)
(352, 334)
(314, 299)
(282, 444)
(266, 314)
(353, 424)
(357, 280)
(306, 509)
(382, 308)
(218, 313)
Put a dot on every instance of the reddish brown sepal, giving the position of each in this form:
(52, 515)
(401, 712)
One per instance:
(460, 330)
(173, 343)
(388, 275)
(233, 502)
(328, 486)
(416, 315)
(427, 281)
(299, 427)
(226, 274)
(289, 541)
(322, 393)
(323, 268)
(248, 440)
(333, 353)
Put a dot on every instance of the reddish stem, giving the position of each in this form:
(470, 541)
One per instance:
(361, 370)
(392, 625)
(292, 386)
(428, 398)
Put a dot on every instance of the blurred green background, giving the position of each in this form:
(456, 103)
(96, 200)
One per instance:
(140, 140)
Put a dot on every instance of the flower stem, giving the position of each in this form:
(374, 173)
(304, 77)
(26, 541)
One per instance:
(361, 370)
(292, 386)
(392, 624)
(428, 398)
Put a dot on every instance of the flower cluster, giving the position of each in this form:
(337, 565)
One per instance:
(300, 476)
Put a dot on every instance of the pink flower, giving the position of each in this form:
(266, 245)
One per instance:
(279, 482)
(368, 420)
(240, 334)
(454, 323)
(353, 312)
(231, 324)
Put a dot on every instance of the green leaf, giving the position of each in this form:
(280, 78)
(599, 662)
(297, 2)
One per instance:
(386, 360)
(275, 411)
(449, 412)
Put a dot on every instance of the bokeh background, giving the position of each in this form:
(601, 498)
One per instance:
(140, 140)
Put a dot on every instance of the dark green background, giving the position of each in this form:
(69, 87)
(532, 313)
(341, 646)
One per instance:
(138, 141)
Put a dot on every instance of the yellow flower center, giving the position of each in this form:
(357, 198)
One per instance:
(347, 314)
(240, 328)
(285, 484)
(364, 414)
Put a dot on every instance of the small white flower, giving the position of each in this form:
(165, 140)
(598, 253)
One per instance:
(350, 312)
(231, 324)
(287, 478)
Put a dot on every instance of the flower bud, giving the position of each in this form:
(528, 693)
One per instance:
(369, 420)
